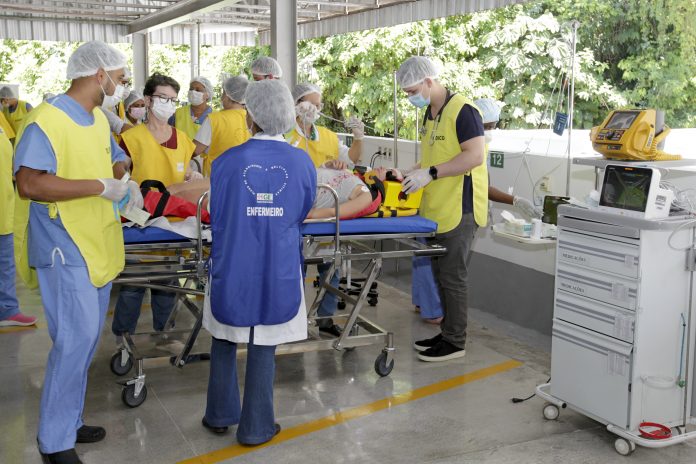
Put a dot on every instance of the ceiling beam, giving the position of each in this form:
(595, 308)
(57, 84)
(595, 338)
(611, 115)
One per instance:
(135, 6)
(71, 10)
(176, 13)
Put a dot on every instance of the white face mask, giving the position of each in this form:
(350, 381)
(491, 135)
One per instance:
(137, 112)
(307, 112)
(162, 111)
(126, 92)
(489, 135)
(112, 100)
(195, 97)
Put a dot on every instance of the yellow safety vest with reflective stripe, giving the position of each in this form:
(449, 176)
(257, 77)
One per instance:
(152, 161)
(229, 129)
(16, 118)
(442, 198)
(82, 152)
(6, 187)
(185, 123)
(324, 149)
(6, 128)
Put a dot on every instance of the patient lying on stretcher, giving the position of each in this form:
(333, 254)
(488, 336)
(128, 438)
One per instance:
(355, 199)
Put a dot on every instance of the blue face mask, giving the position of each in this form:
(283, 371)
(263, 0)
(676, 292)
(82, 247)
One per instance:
(419, 101)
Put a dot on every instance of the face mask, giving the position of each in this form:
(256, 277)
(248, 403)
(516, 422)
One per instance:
(489, 135)
(419, 101)
(126, 92)
(307, 112)
(163, 111)
(112, 100)
(195, 98)
(137, 112)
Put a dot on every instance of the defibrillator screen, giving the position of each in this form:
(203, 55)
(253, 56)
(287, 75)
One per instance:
(626, 187)
(622, 120)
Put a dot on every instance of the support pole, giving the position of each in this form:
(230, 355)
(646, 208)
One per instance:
(571, 103)
(140, 60)
(284, 38)
(195, 49)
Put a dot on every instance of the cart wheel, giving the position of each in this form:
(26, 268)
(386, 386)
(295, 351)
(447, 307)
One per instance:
(372, 301)
(341, 305)
(128, 396)
(381, 366)
(624, 447)
(116, 366)
(551, 411)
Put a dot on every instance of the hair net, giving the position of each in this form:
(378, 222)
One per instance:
(304, 89)
(490, 109)
(92, 56)
(270, 105)
(235, 87)
(7, 92)
(132, 98)
(265, 65)
(414, 70)
(206, 83)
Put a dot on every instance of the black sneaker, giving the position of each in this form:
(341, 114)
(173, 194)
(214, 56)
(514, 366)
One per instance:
(422, 345)
(443, 351)
(327, 326)
(61, 457)
(213, 428)
(90, 434)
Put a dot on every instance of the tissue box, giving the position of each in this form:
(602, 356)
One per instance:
(520, 228)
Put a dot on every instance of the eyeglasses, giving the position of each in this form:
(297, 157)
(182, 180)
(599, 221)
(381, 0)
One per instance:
(166, 99)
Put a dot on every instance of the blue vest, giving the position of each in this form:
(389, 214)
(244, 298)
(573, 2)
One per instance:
(260, 193)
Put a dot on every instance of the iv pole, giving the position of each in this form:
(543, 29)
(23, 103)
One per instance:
(571, 102)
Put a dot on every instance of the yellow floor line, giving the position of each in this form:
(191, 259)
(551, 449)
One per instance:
(355, 413)
(18, 328)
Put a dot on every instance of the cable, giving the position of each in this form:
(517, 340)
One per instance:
(345, 124)
(521, 400)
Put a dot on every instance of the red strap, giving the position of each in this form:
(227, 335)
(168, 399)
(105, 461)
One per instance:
(658, 432)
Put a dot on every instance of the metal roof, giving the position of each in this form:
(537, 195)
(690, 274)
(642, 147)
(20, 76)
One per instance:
(222, 22)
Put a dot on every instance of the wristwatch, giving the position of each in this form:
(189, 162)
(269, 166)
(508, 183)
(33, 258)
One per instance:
(433, 172)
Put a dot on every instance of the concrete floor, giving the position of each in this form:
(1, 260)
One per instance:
(474, 422)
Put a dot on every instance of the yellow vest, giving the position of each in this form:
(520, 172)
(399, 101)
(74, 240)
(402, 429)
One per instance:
(6, 128)
(16, 119)
(229, 129)
(185, 123)
(152, 161)
(121, 113)
(81, 153)
(6, 187)
(321, 150)
(442, 198)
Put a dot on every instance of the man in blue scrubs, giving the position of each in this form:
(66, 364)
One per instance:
(62, 253)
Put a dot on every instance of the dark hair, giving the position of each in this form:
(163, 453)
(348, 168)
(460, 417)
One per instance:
(158, 79)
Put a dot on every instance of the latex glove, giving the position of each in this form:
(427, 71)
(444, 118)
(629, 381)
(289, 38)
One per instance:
(307, 112)
(192, 175)
(527, 207)
(357, 127)
(136, 197)
(114, 189)
(416, 180)
(335, 164)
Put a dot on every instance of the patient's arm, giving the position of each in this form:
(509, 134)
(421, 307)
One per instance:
(360, 198)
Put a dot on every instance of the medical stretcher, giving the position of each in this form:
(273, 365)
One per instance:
(163, 260)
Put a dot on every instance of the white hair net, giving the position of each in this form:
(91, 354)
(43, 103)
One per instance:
(92, 56)
(304, 89)
(266, 66)
(490, 109)
(132, 98)
(270, 106)
(206, 83)
(7, 92)
(414, 70)
(235, 87)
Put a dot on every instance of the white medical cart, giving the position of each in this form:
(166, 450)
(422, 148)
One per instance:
(624, 324)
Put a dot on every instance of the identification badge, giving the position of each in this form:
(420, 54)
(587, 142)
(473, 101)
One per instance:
(180, 167)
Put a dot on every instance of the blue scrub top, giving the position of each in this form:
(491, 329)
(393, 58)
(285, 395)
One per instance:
(34, 151)
(201, 118)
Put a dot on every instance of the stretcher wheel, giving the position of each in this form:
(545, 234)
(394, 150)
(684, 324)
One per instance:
(341, 305)
(381, 366)
(372, 301)
(624, 447)
(116, 366)
(551, 411)
(128, 396)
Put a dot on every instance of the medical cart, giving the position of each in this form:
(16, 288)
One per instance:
(624, 326)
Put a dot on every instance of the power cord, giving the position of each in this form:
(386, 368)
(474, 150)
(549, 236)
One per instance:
(521, 400)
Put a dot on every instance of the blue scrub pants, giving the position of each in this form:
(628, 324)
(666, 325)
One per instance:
(328, 303)
(9, 306)
(127, 311)
(424, 290)
(255, 416)
(75, 311)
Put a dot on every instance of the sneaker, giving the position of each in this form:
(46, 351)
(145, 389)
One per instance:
(18, 320)
(422, 345)
(90, 434)
(213, 428)
(443, 351)
(334, 330)
(61, 457)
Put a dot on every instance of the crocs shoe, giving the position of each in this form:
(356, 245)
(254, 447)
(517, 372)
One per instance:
(18, 320)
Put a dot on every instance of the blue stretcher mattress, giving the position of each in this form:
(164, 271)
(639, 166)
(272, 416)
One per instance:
(396, 225)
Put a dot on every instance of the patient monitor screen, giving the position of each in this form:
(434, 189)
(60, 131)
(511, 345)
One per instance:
(622, 120)
(626, 187)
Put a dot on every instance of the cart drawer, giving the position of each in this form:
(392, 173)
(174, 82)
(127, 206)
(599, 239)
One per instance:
(611, 256)
(612, 289)
(591, 314)
(591, 372)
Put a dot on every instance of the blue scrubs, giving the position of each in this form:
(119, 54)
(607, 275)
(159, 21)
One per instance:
(75, 309)
(8, 293)
(424, 291)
